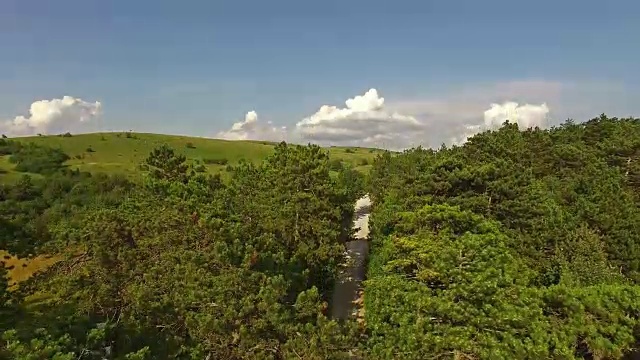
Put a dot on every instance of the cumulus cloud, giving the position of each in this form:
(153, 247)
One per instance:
(452, 114)
(252, 129)
(526, 116)
(364, 121)
(52, 116)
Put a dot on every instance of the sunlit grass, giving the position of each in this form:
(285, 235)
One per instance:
(21, 269)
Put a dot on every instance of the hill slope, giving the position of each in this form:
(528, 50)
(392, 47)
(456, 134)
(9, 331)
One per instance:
(123, 152)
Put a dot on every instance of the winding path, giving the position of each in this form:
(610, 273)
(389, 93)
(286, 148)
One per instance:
(353, 271)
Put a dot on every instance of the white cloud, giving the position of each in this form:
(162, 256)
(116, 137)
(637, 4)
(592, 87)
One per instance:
(451, 120)
(526, 116)
(252, 129)
(364, 121)
(52, 116)
(451, 115)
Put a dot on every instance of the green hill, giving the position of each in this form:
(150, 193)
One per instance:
(123, 152)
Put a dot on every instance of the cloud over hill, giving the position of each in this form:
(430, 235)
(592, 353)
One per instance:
(52, 116)
(364, 121)
(252, 129)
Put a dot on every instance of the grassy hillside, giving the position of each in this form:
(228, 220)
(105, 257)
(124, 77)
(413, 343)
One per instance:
(123, 152)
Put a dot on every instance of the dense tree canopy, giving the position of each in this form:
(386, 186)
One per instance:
(182, 265)
(519, 244)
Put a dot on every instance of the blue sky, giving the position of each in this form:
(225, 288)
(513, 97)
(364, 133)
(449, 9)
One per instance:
(196, 67)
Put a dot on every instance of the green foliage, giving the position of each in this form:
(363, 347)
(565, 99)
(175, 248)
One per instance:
(8, 147)
(216, 161)
(115, 153)
(182, 265)
(519, 244)
(335, 165)
(165, 164)
(38, 159)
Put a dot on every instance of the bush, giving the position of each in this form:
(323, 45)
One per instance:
(335, 165)
(350, 151)
(214, 161)
(90, 150)
(8, 147)
(67, 134)
(199, 167)
(363, 162)
(190, 145)
(4, 136)
(38, 159)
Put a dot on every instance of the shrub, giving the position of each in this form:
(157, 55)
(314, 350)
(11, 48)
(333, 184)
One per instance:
(90, 150)
(4, 136)
(38, 159)
(190, 145)
(199, 167)
(8, 147)
(67, 134)
(350, 151)
(363, 162)
(214, 161)
(335, 165)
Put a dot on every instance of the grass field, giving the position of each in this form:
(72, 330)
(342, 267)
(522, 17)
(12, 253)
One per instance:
(122, 152)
